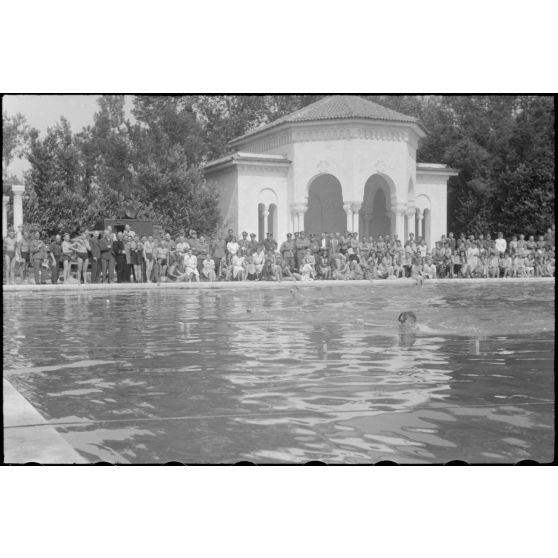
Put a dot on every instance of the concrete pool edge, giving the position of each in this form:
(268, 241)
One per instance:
(40, 443)
(261, 284)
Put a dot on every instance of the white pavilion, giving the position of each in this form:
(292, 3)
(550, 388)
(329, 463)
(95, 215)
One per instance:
(340, 164)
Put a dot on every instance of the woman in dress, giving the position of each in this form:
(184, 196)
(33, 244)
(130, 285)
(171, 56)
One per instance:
(238, 269)
(251, 273)
(258, 259)
(208, 268)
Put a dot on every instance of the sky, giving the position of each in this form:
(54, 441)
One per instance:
(43, 111)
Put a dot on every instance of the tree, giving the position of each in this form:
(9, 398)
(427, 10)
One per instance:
(169, 151)
(15, 135)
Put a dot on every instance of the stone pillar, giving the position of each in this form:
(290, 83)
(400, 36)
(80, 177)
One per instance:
(18, 190)
(5, 202)
(348, 210)
(410, 220)
(356, 206)
(298, 210)
(399, 213)
(420, 223)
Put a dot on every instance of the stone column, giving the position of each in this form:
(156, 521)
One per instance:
(298, 211)
(5, 202)
(398, 228)
(18, 190)
(348, 210)
(356, 206)
(410, 218)
(420, 224)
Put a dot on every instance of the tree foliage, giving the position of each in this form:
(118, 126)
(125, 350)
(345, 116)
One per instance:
(151, 165)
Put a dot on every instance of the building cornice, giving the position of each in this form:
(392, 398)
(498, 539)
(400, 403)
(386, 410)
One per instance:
(248, 161)
(436, 169)
(334, 129)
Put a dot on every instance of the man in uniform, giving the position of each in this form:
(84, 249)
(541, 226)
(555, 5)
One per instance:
(193, 242)
(244, 244)
(270, 244)
(253, 244)
(288, 249)
(229, 237)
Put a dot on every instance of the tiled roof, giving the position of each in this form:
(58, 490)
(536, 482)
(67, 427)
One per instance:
(336, 107)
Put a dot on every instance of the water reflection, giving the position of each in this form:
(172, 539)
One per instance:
(221, 376)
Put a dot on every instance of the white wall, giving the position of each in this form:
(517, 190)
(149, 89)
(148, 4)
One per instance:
(226, 181)
(434, 188)
(256, 185)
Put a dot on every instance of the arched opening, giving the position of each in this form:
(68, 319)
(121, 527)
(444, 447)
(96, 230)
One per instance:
(325, 211)
(261, 225)
(375, 216)
(409, 222)
(423, 218)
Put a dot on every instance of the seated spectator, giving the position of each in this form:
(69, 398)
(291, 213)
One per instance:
(191, 266)
(356, 273)
(493, 266)
(250, 266)
(208, 268)
(429, 269)
(238, 268)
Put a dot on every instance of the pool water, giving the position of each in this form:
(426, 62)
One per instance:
(291, 375)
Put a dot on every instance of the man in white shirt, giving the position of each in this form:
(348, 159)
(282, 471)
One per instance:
(501, 244)
(182, 246)
(233, 247)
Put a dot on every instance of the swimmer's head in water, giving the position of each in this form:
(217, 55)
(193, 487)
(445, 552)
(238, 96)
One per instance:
(408, 318)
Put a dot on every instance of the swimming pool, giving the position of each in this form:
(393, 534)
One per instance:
(281, 376)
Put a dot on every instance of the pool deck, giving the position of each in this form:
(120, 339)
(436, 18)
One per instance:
(28, 437)
(259, 284)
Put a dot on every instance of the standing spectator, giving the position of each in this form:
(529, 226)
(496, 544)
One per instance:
(244, 244)
(302, 244)
(105, 248)
(149, 258)
(270, 243)
(288, 250)
(203, 251)
(119, 252)
(501, 244)
(67, 252)
(127, 239)
(56, 258)
(25, 254)
(232, 248)
(38, 254)
(253, 242)
(219, 252)
(95, 246)
(81, 247)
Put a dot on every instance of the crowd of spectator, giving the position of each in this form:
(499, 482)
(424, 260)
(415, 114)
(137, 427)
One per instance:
(123, 257)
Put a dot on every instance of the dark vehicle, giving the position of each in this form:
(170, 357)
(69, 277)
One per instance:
(142, 227)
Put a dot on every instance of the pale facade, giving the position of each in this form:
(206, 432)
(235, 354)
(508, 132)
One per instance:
(352, 172)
